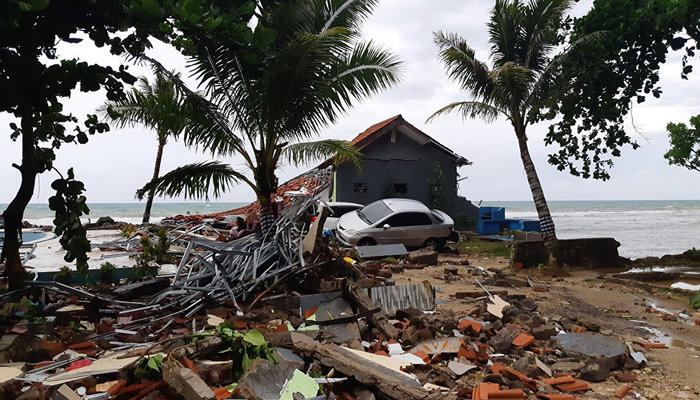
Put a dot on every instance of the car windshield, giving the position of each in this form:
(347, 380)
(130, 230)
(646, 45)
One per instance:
(374, 212)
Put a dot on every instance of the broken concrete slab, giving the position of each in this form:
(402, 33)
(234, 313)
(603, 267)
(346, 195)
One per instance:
(591, 345)
(596, 369)
(371, 370)
(265, 379)
(332, 306)
(65, 393)
(185, 382)
(105, 365)
(423, 256)
(381, 251)
(502, 342)
(544, 332)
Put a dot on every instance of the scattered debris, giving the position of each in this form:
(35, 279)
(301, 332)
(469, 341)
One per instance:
(293, 315)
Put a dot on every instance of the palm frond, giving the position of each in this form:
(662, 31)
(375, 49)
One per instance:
(316, 93)
(155, 105)
(512, 83)
(346, 13)
(462, 65)
(306, 152)
(548, 87)
(505, 34)
(205, 126)
(470, 110)
(194, 181)
(540, 24)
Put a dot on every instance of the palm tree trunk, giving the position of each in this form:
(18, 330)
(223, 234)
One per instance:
(162, 140)
(267, 216)
(14, 213)
(546, 222)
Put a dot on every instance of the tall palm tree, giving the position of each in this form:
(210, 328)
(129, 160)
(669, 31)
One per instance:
(519, 84)
(315, 70)
(155, 105)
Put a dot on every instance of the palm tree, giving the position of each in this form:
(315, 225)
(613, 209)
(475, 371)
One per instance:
(315, 70)
(519, 85)
(155, 105)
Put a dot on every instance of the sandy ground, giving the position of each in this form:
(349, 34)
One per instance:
(673, 373)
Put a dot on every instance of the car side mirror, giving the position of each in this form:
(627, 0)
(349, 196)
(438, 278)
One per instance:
(386, 226)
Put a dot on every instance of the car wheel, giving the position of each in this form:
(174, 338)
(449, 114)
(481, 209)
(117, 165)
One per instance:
(437, 244)
(366, 242)
(432, 242)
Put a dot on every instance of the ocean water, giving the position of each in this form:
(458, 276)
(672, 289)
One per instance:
(644, 228)
(39, 214)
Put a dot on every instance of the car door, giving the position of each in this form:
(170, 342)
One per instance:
(395, 233)
(416, 229)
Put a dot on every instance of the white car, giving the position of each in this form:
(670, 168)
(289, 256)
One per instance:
(338, 209)
(394, 221)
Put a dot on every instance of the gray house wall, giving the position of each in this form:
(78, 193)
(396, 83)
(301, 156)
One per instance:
(403, 162)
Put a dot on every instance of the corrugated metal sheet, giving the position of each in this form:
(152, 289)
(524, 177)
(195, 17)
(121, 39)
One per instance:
(394, 298)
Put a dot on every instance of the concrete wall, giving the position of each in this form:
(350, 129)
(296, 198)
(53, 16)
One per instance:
(403, 162)
(591, 253)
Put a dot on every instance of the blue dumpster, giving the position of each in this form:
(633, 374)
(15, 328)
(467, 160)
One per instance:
(492, 220)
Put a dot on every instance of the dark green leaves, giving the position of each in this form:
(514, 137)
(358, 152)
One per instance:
(149, 367)
(685, 144)
(606, 77)
(243, 349)
(69, 205)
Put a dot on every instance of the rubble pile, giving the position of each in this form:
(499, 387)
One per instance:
(336, 343)
(291, 316)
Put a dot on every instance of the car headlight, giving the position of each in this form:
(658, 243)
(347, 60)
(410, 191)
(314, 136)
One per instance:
(350, 232)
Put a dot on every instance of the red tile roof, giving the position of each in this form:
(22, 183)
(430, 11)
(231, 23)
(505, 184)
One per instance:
(377, 130)
(290, 186)
(373, 129)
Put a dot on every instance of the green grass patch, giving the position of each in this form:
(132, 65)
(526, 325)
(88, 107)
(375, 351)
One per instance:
(483, 247)
(695, 301)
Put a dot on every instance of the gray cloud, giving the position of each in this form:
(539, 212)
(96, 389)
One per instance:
(115, 164)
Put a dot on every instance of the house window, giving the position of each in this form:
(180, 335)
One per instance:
(400, 188)
(359, 187)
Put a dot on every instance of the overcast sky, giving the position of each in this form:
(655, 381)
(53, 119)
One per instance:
(115, 164)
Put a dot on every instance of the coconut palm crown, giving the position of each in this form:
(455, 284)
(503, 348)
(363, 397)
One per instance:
(316, 70)
(520, 82)
(151, 104)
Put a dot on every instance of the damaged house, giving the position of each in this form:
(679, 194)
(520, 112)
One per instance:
(399, 160)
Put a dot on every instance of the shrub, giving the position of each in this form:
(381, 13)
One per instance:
(695, 301)
(107, 272)
(157, 253)
(463, 223)
(128, 230)
(34, 313)
(63, 275)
